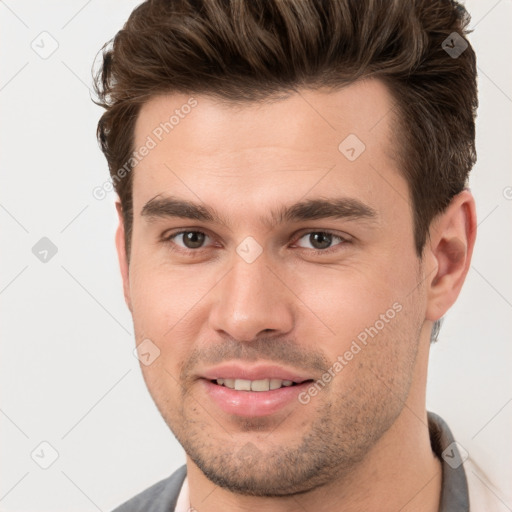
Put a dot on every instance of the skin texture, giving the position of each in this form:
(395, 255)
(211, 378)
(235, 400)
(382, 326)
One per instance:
(362, 442)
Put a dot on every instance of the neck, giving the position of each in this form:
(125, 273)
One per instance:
(400, 472)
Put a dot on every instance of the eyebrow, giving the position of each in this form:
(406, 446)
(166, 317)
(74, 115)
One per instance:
(310, 209)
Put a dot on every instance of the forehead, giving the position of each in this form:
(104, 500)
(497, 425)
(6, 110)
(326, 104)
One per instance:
(200, 147)
(359, 107)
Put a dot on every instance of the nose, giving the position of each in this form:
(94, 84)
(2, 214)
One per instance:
(252, 300)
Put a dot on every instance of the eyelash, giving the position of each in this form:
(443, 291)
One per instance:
(168, 239)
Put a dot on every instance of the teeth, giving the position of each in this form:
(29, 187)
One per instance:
(275, 383)
(242, 385)
(260, 385)
(254, 385)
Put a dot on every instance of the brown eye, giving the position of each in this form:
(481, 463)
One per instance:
(190, 239)
(321, 240)
(193, 239)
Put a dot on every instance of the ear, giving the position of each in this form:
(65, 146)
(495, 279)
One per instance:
(121, 255)
(449, 251)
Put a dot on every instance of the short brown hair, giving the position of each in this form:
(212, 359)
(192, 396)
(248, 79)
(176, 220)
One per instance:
(251, 50)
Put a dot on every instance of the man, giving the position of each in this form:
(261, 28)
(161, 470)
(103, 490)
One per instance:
(294, 222)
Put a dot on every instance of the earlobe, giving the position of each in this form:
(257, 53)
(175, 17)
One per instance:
(452, 238)
(121, 255)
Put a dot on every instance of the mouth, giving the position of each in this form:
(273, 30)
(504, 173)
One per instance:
(259, 385)
(254, 398)
(253, 391)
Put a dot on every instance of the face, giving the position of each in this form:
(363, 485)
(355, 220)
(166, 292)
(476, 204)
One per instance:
(273, 254)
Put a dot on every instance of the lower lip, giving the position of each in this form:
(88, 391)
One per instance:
(253, 403)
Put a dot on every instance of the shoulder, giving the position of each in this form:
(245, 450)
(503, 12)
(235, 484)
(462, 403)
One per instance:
(160, 497)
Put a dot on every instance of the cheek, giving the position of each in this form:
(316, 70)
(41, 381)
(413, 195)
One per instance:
(349, 300)
(167, 309)
(161, 295)
(161, 309)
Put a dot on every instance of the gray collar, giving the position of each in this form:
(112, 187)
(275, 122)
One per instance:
(454, 490)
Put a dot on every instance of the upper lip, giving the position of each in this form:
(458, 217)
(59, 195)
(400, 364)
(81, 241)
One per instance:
(258, 372)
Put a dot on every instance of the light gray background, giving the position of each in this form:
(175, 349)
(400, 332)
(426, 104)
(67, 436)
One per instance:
(68, 375)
